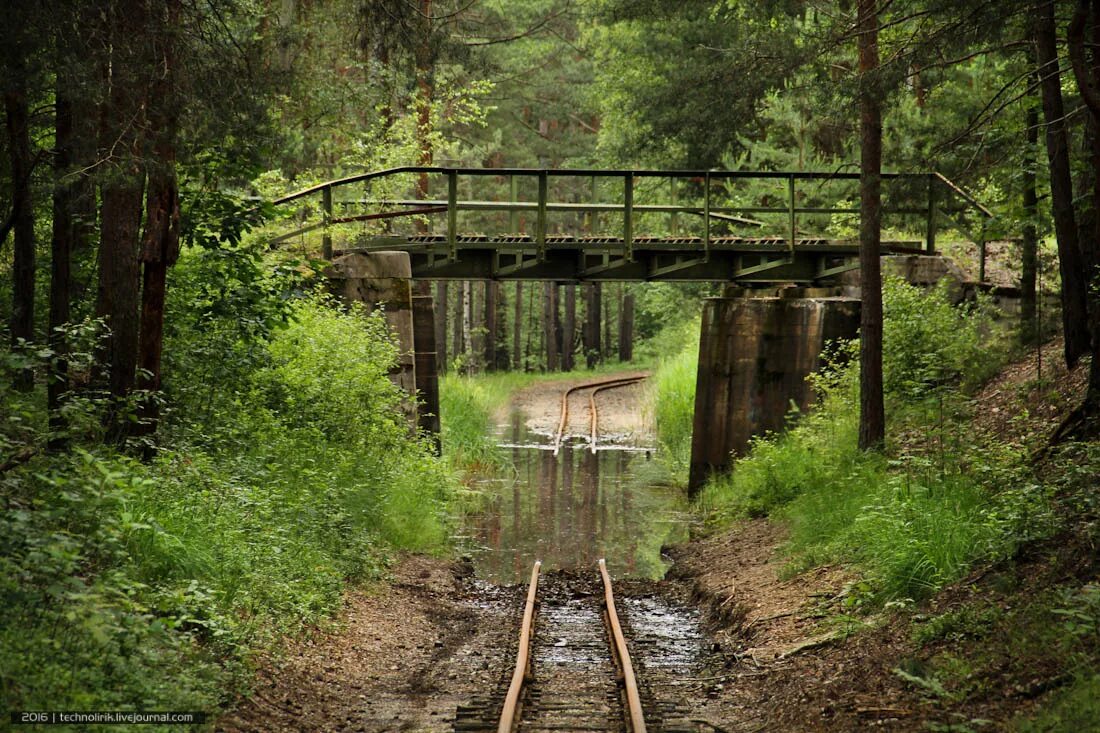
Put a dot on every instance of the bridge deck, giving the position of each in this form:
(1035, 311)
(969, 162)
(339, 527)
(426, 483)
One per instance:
(566, 257)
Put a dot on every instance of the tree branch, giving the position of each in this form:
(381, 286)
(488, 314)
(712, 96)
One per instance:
(1076, 37)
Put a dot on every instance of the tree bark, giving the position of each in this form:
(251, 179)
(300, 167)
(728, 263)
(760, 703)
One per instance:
(592, 309)
(1070, 262)
(551, 326)
(626, 328)
(61, 249)
(569, 329)
(23, 256)
(441, 325)
(1084, 422)
(517, 329)
(872, 417)
(161, 243)
(123, 185)
(492, 293)
(459, 338)
(1029, 255)
(467, 326)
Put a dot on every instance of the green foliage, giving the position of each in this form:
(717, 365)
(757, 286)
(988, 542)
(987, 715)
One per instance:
(283, 476)
(466, 409)
(1074, 709)
(671, 396)
(969, 621)
(928, 342)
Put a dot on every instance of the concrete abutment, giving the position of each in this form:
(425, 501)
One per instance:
(755, 351)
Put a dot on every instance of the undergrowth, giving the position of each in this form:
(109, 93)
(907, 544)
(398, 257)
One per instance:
(286, 469)
(671, 397)
(918, 516)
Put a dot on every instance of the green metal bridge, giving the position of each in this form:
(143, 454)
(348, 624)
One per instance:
(594, 224)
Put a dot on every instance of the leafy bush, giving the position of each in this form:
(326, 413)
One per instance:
(288, 469)
(927, 341)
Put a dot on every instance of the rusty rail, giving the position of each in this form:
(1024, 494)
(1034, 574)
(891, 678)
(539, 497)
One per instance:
(622, 656)
(595, 419)
(523, 657)
(564, 420)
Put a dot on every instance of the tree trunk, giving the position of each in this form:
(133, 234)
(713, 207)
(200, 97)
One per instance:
(161, 245)
(517, 329)
(492, 293)
(531, 316)
(459, 342)
(119, 278)
(424, 102)
(23, 257)
(605, 353)
(626, 328)
(467, 326)
(1071, 265)
(123, 186)
(441, 325)
(569, 328)
(475, 327)
(61, 248)
(1029, 255)
(872, 417)
(1083, 423)
(551, 326)
(592, 350)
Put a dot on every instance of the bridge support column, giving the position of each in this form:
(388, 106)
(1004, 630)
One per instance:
(754, 356)
(427, 364)
(384, 279)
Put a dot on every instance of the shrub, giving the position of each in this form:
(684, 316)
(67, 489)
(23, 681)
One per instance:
(146, 585)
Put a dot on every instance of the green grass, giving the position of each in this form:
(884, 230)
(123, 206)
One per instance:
(1073, 710)
(671, 400)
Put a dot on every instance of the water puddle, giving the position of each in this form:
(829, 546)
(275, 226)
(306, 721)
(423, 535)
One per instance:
(571, 509)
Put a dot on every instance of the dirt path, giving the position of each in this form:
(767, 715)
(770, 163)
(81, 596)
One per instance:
(402, 658)
(621, 411)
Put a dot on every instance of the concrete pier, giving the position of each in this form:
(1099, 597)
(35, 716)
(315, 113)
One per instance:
(754, 356)
(427, 374)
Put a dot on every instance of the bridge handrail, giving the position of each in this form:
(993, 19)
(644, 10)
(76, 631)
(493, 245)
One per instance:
(622, 172)
(453, 204)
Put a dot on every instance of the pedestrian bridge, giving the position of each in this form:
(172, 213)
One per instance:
(571, 225)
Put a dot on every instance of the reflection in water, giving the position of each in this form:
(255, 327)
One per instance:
(572, 509)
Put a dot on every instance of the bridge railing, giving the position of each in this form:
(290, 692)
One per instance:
(612, 208)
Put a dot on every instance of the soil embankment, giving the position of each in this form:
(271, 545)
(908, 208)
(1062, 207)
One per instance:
(402, 656)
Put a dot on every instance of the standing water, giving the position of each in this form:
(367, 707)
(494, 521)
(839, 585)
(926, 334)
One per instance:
(571, 509)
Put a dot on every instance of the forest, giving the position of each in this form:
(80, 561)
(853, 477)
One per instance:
(211, 495)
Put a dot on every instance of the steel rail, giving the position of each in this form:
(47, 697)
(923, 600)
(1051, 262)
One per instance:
(630, 682)
(509, 712)
(564, 419)
(595, 424)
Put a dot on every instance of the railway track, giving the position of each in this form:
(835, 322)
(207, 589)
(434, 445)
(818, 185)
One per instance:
(597, 388)
(573, 670)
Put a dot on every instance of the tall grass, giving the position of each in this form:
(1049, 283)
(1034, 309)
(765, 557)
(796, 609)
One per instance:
(671, 398)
